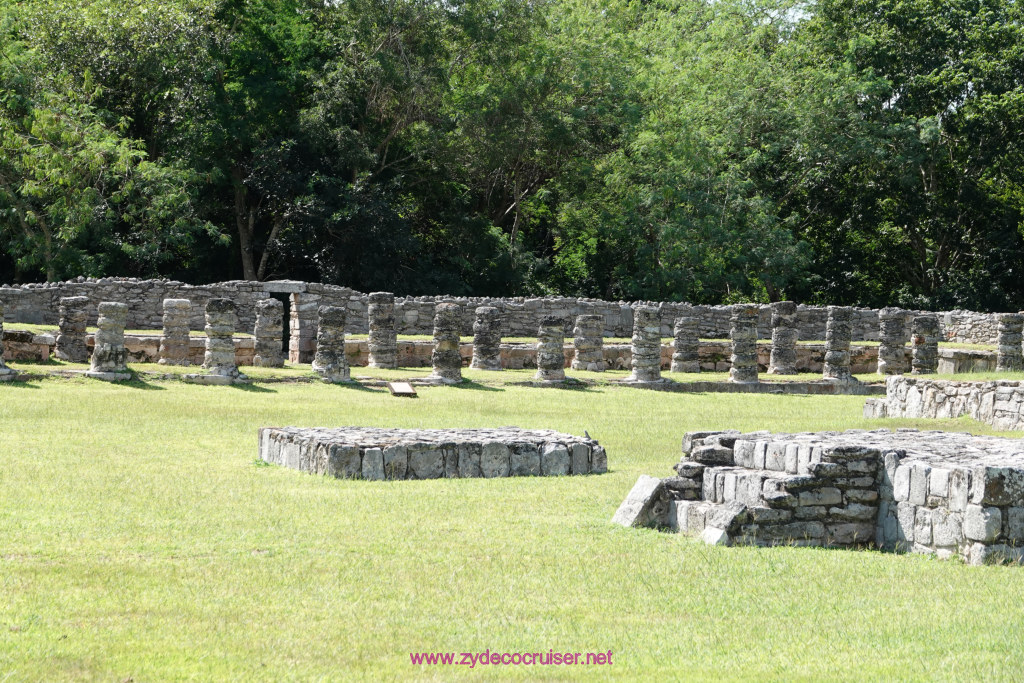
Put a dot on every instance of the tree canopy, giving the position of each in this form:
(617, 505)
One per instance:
(838, 151)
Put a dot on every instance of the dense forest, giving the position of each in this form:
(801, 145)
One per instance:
(841, 151)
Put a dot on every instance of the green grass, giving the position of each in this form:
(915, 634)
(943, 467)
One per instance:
(139, 539)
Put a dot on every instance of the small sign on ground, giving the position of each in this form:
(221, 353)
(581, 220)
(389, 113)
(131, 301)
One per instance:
(401, 389)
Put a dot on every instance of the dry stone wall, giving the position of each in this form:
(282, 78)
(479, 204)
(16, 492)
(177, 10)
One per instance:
(38, 303)
(998, 403)
(947, 494)
(370, 453)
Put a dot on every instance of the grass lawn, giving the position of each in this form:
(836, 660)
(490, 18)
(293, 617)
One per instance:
(140, 539)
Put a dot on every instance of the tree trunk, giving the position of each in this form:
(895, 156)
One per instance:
(244, 221)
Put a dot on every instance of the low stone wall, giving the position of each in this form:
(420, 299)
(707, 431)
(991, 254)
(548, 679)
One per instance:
(999, 403)
(947, 494)
(38, 303)
(369, 453)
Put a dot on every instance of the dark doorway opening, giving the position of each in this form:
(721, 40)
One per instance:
(285, 299)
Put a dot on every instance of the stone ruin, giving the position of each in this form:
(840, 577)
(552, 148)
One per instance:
(6, 374)
(744, 344)
(892, 352)
(939, 493)
(446, 360)
(267, 332)
(998, 403)
(1008, 349)
(551, 351)
(219, 360)
(330, 361)
(71, 330)
(376, 454)
(646, 342)
(383, 337)
(108, 353)
(487, 339)
(686, 345)
(925, 350)
(588, 344)
(784, 337)
(175, 341)
(837, 346)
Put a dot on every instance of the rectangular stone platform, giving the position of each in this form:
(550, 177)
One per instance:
(371, 453)
(941, 493)
(999, 403)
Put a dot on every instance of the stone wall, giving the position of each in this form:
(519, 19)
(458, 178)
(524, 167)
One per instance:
(947, 494)
(38, 303)
(371, 453)
(998, 403)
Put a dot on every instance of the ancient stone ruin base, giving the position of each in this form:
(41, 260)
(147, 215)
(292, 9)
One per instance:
(371, 453)
(999, 403)
(938, 493)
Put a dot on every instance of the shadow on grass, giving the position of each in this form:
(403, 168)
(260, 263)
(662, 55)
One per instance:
(19, 384)
(252, 388)
(474, 386)
(137, 382)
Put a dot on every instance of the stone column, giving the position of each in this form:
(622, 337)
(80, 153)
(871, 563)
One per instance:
(784, 335)
(330, 361)
(838, 334)
(892, 335)
(269, 334)
(686, 349)
(71, 333)
(924, 339)
(174, 340)
(302, 327)
(550, 350)
(1008, 351)
(446, 359)
(487, 339)
(743, 333)
(588, 342)
(6, 373)
(221, 322)
(646, 345)
(383, 339)
(108, 353)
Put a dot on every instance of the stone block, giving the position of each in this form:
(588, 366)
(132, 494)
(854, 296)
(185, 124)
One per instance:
(982, 523)
(901, 484)
(494, 459)
(1015, 524)
(469, 460)
(775, 457)
(997, 486)
(923, 526)
(959, 489)
(554, 460)
(524, 460)
(426, 463)
(373, 464)
(822, 496)
(635, 510)
(919, 483)
(396, 462)
(715, 536)
(938, 483)
(580, 459)
(850, 533)
(344, 462)
(906, 513)
(598, 460)
(947, 528)
(728, 516)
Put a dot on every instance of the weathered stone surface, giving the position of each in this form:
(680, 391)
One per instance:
(487, 339)
(175, 341)
(999, 403)
(785, 333)
(550, 350)
(686, 345)
(71, 332)
(588, 344)
(6, 373)
(269, 334)
(643, 498)
(925, 344)
(743, 333)
(1008, 350)
(221, 321)
(446, 359)
(383, 338)
(892, 352)
(434, 453)
(330, 361)
(715, 536)
(646, 345)
(108, 355)
(837, 346)
(982, 523)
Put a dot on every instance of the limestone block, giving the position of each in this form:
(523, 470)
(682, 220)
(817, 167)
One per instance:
(175, 341)
(635, 510)
(580, 459)
(396, 462)
(598, 460)
(344, 462)
(947, 528)
(823, 496)
(269, 332)
(785, 334)
(551, 350)
(1015, 525)
(495, 459)
(554, 460)
(469, 460)
(373, 464)
(713, 536)
(108, 354)
(426, 462)
(524, 460)
(982, 523)
(588, 344)
(487, 339)
(330, 361)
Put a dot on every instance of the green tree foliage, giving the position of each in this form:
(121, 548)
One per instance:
(840, 151)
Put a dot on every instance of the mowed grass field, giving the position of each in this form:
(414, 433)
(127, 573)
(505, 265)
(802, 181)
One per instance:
(141, 540)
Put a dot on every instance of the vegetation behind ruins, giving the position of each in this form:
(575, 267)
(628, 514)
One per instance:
(840, 151)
